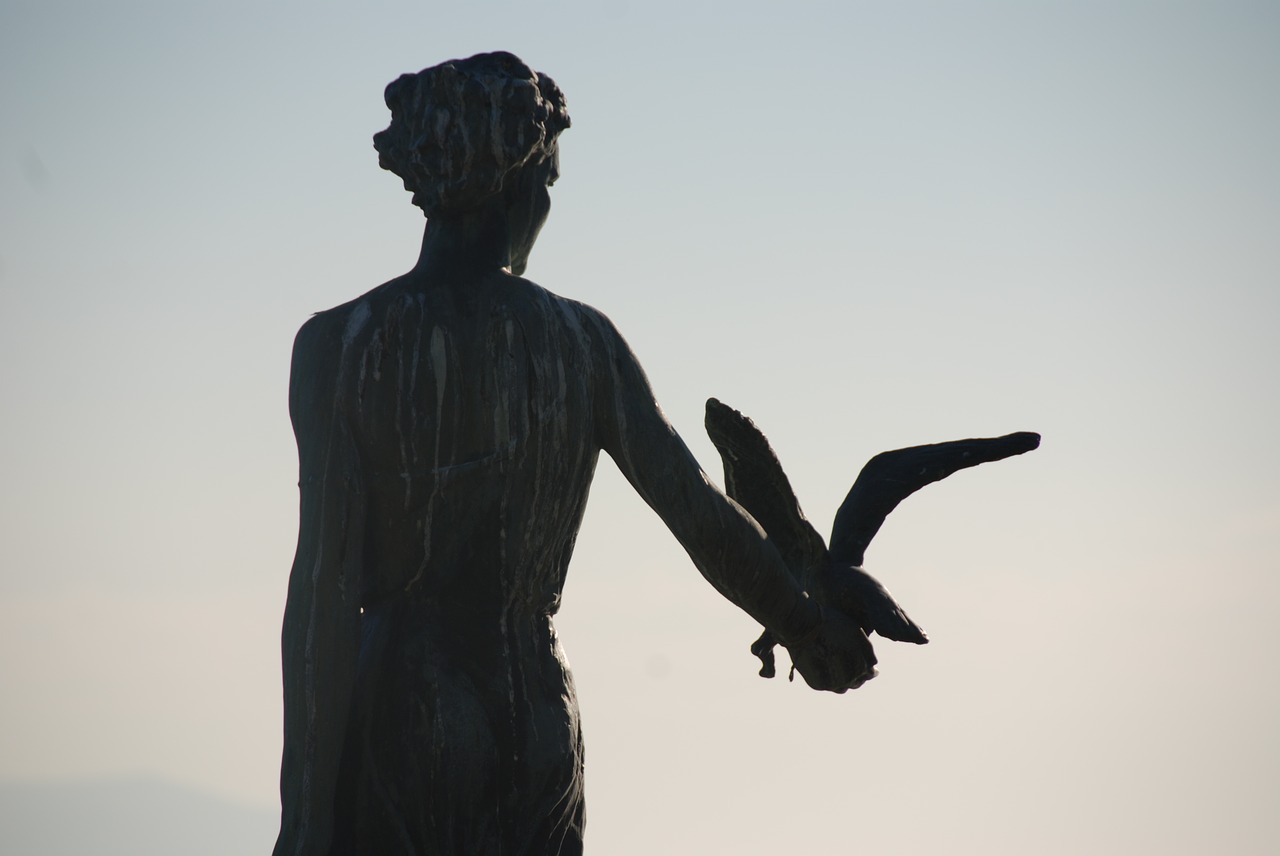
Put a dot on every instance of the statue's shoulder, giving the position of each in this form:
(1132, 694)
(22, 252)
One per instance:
(317, 329)
(319, 349)
(325, 333)
(578, 317)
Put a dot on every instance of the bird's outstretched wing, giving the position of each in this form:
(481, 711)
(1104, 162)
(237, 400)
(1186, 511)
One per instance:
(891, 477)
(754, 479)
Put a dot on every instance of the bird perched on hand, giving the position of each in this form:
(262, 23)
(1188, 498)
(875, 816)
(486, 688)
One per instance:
(834, 576)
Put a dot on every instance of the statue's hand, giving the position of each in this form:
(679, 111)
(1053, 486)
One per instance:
(836, 655)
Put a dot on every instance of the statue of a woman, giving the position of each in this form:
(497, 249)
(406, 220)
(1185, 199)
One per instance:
(448, 424)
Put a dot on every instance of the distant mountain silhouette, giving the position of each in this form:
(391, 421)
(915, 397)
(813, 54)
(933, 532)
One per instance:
(133, 816)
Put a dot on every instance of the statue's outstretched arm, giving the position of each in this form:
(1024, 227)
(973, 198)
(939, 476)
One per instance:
(726, 544)
(320, 639)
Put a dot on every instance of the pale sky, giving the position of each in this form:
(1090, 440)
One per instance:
(866, 225)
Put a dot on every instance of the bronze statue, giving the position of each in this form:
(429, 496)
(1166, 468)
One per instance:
(448, 424)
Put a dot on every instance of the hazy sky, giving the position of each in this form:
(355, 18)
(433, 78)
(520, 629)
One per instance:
(866, 225)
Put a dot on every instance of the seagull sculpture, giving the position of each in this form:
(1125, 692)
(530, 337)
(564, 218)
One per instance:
(754, 479)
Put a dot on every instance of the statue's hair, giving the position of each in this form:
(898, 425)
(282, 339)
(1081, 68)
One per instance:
(460, 128)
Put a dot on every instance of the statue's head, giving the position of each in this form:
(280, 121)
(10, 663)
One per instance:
(462, 131)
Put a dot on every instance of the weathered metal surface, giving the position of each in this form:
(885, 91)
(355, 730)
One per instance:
(448, 425)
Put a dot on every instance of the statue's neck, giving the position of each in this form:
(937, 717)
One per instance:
(471, 242)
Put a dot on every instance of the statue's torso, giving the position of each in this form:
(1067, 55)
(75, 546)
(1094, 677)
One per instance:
(472, 419)
(472, 441)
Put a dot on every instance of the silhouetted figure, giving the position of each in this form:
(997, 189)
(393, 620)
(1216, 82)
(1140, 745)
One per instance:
(448, 426)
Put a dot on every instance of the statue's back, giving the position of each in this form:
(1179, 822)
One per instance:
(472, 447)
